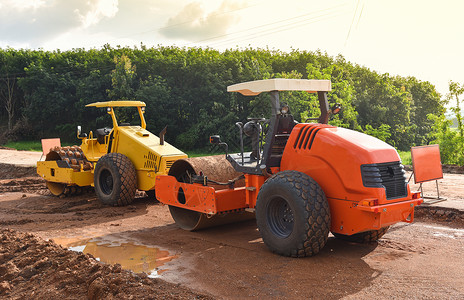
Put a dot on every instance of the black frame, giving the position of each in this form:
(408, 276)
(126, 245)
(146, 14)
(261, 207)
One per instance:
(266, 161)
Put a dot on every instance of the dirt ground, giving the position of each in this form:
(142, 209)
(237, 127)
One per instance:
(422, 260)
(33, 268)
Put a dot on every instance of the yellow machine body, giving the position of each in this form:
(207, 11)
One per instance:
(149, 154)
(51, 171)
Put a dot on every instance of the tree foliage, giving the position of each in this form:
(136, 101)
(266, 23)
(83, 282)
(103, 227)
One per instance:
(185, 89)
(457, 90)
(451, 141)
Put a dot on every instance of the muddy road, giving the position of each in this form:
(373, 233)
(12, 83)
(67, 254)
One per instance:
(422, 260)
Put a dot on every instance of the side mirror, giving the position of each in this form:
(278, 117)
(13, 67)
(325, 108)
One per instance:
(215, 139)
(79, 133)
(336, 109)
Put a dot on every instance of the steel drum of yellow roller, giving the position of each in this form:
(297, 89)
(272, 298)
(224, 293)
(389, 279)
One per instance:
(75, 158)
(216, 168)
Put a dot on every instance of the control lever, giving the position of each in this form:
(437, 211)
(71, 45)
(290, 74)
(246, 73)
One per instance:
(240, 128)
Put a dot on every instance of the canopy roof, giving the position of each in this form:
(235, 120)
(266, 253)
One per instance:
(123, 103)
(253, 88)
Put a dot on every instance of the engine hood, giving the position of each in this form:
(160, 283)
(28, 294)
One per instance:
(333, 156)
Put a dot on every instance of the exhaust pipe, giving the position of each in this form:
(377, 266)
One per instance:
(161, 135)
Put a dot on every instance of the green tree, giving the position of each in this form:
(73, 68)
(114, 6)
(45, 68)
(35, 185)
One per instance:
(188, 88)
(8, 83)
(382, 133)
(52, 96)
(379, 101)
(122, 79)
(89, 89)
(425, 100)
(342, 93)
(12, 64)
(457, 90)
(450, 141)
(161, 111)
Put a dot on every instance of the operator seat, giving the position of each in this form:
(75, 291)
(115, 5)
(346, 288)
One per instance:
(101, 133)
(284, 128)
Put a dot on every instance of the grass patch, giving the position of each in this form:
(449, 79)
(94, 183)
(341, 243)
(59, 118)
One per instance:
(405, 157)
(201, 153)
(25, 145)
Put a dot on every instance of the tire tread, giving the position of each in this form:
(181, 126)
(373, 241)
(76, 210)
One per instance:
(127, 178)
(317, 212)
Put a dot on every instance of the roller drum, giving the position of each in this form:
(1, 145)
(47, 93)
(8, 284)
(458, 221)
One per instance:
(216, 168)
(76, 160)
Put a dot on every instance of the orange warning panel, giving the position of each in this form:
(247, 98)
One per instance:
(48, 144)
(426, 163)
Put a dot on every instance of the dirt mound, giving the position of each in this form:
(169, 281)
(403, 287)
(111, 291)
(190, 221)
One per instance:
(440, 214)
(453, 169)
(17, 178)
(33, 268)
(25, 185)
(8, 171)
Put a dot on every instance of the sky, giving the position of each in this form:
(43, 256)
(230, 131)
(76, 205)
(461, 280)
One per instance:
(423, 38)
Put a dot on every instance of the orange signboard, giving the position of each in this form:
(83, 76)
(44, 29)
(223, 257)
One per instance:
(426, 163)
(48, 144)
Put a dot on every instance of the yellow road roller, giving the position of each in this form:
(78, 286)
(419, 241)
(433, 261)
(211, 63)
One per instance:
(116, 161)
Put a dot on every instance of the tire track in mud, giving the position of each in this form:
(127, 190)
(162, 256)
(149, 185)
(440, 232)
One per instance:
(25, 185)
(401, 246)
(15, 178)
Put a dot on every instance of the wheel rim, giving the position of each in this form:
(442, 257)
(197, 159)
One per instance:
(106, 182)
(280, 217)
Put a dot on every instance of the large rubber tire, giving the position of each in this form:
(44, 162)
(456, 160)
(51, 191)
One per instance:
(293, 214)
(365, 237)
(115, 180)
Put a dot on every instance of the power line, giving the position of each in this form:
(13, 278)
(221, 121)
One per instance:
(269, 24)
(352, 21)
(360, 14)
(280, 29)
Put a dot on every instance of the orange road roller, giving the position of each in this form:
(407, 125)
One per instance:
(300, 181)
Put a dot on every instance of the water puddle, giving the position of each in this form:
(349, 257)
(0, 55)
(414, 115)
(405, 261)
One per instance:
(131, 256)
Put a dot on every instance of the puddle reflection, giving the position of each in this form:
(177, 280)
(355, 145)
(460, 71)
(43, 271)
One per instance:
(137, 258)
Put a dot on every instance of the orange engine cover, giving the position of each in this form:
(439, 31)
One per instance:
(336, 158)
